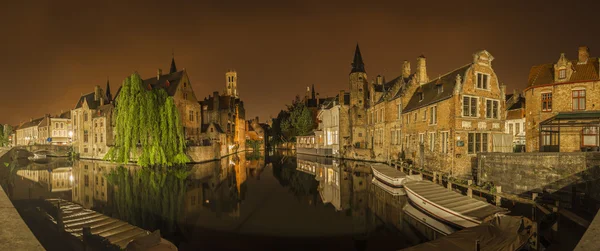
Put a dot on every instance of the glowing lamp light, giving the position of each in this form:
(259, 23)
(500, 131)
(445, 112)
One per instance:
(71, 178)
(70, 133)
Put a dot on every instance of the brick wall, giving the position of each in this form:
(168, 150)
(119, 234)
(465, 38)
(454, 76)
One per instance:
(521, 172)
(561, 102)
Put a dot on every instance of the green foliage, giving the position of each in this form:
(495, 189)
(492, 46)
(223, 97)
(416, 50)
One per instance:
(254, 144)
(151, 197)
(297, 120)
(147, 126)
(5, 132)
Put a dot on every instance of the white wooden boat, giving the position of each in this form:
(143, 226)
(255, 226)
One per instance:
(449, 206)
(426, 220)
(396, 191)
(390, 176)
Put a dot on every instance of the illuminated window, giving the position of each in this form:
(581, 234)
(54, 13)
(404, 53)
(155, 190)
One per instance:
(562, 73)
(470, 106)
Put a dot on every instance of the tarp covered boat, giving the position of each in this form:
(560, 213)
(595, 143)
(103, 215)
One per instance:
(501, 233)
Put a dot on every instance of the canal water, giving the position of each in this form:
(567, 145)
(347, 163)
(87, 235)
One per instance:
(277, 201)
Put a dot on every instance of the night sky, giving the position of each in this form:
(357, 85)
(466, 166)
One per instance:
(53, 51)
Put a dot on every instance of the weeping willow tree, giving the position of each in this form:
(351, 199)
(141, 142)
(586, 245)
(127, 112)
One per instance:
(148, 126)
(151, 198)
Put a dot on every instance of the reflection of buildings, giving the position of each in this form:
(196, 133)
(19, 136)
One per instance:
(218, 186)
(90, 187)
(55, 180)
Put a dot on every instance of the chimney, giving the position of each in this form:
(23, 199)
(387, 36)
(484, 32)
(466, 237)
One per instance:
(379, 79)
(405, 69)
(158, 73)
(341, 98)
(422, 70)
(97, 93)
(215, 101)
(584, 54)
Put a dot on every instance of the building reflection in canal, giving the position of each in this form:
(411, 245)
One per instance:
(277, 196)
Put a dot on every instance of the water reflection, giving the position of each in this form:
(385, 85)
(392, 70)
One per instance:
(276, 199)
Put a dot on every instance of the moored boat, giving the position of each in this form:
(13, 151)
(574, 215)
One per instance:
(396, 191)
(449, 206)
(390, 176)
(432, 223)
(510, 233)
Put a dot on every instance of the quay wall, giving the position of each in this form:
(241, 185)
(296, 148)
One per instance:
(14, 233)
(522, 172)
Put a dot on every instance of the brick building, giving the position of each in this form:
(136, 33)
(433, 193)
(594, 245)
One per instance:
(227, 111)
(82, 122)
(449, 119)
(561, 100)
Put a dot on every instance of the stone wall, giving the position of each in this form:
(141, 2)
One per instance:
(521, 172)
(204, 153)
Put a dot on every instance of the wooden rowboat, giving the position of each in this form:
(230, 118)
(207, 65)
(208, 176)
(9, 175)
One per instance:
(448, 206)
(390, 176)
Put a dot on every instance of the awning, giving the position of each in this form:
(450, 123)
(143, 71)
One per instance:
(573, 119)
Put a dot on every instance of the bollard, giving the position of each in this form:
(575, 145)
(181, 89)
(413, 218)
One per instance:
(469, 189)
(449, 185)
(409, 171)
(555, 225)
(498, 198)
(477, 247)
(434, 177)
(402, 168)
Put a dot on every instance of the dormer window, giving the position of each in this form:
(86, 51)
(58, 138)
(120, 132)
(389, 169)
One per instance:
(562, 73)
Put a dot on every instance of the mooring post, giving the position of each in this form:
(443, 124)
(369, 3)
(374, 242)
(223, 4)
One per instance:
(470, 189)
(59, 219)
(477, 248)
(401, 167)
(555, 225)
(409, 171)
(535, 236)
(497, 195)
(434, 177)
(449, 185)
(87, 233)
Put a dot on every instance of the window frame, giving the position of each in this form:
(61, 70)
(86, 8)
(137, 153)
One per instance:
(431, 141)
(577, 99)
(492, 111)
(470, 106)
(546, 98)
(444, 139)
(433, 115)
(484, 85)
(477, 142)
(584, 134)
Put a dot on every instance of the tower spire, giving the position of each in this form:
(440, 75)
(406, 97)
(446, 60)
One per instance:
(173, 67)
(108, 94)
(357, 63)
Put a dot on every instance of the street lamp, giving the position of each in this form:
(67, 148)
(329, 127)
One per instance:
(70, 134)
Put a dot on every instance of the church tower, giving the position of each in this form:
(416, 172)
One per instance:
(358, 100)
(358, 81)
(231, 84)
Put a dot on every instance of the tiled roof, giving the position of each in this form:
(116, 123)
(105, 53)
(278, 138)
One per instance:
(92, 103)
(430, 92)
(31, 123)
(544, 74)
(204, 127)
(172, 79)
(103, 110)
(520, 103)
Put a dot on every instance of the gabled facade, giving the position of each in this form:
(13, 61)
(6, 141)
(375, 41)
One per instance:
(448, 120)
(27, 133)
(359, 94)
(82, 121)
(564, 90)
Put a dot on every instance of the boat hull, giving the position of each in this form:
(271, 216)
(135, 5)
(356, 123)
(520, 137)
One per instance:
(396, 191)
(427, 220)
(440, 213)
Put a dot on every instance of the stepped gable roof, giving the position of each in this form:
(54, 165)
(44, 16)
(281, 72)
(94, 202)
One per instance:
(543, 74)
(430, 92)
